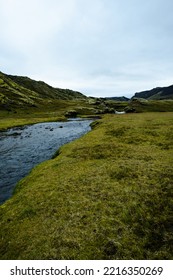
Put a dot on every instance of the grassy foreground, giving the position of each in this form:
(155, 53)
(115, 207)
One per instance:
(107, 195)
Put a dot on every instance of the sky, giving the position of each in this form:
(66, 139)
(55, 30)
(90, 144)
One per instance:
(101, 48)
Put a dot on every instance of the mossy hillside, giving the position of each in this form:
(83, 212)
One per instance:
(44, 90)
(13, 95)
(21, 92)
(107, 195)
(140, 105)
(159, 93)
(117, 105)
(25, 101)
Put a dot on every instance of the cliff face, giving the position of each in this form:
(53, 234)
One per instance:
(158, 93)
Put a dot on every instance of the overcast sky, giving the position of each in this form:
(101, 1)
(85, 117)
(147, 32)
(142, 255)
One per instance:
(98, 47)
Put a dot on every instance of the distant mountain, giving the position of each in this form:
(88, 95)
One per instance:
(121, 98)
(17, 91)
(158, 93)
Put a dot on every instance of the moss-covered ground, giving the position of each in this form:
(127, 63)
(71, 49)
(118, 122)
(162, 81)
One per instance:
(107, 195)
(55, 111)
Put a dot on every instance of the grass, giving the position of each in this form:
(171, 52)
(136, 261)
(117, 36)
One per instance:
(142, 105)
(54, 111)
(107, 195)
(8, 120)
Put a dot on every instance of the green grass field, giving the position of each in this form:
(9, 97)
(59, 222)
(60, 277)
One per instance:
(107, 195)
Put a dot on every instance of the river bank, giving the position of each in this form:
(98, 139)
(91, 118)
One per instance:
(108, 195)
(24, 147)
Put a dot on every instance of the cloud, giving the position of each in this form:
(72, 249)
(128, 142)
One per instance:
(29, 22)
(101, 47)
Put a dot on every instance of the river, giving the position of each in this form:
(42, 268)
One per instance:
(24, 147)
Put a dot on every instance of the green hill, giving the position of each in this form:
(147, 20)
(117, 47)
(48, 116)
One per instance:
(158, 93)
(23, 92)
(44, 90)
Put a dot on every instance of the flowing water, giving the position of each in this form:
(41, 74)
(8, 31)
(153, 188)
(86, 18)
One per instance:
(23, 148)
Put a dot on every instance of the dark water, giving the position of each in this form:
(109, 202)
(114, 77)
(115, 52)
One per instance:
(23, 148)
